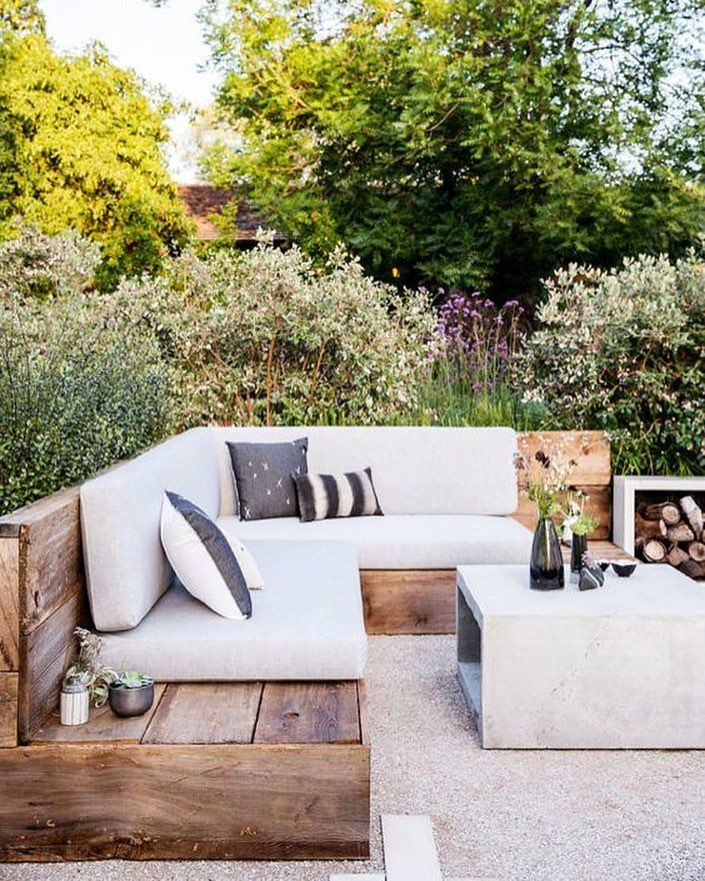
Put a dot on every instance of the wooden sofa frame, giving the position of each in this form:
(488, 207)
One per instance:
(42, 600)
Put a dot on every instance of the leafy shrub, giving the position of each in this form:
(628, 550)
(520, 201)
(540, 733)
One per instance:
(38, 265)
(625, 351)
(264, 337)
(78, 392)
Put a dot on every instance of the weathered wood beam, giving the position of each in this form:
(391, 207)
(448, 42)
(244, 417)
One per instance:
(409, 600)
(9, 603)
(221, 801)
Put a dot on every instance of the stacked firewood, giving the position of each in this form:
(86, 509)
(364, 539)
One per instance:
(672, 532)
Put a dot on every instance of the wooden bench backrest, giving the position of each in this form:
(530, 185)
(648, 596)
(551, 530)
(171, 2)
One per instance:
(591, 450)
(42, 599)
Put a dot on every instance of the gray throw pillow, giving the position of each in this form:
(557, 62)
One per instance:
(263, 477)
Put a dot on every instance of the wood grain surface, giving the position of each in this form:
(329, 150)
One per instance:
(220, 801)
(103, 726)
(309, 712)
(409, 600)
(202, 712)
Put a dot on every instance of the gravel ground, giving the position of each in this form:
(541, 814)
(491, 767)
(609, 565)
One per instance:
(512, 816)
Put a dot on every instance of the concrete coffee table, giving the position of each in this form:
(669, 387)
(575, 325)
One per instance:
(620, 667)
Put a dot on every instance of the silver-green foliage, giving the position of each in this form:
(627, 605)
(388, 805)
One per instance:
(131, 679)
(625, 351)
(41, 266)
(79, 388)
(266, 337)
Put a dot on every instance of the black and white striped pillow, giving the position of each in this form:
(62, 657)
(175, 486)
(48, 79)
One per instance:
(321, 496)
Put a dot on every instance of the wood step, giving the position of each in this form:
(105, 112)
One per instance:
(103, 726)
(206, 712)
(309, 712)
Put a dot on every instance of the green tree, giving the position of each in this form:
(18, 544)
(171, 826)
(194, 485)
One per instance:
(466, 142)
(21, 16)
(80, 148)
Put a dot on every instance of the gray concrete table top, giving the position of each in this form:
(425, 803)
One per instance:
(653, 589)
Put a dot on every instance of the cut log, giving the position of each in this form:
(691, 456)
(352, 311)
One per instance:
(666, 511)
(696, 551)
(654, 551)
(691, 569)
(677, 555)
(693, 514)
(682, 532)
(646, 529)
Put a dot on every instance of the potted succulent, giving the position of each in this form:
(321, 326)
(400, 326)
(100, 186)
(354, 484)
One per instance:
(131, 693)
(88, 670)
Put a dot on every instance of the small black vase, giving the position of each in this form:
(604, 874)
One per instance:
(546, 566)
(578, 549)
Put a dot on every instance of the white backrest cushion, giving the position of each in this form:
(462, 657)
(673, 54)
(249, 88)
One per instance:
(126, 568)
(416, 470)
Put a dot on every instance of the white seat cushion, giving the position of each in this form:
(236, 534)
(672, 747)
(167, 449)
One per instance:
(401, 541)
(307, 624)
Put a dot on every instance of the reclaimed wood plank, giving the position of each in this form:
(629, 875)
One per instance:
(410, 852)
(9, 685)
(408, 601)
(219, 801)
(102, 727)
(308, 712)
(397, 612)
(590, 449)
(9, 603)
(201, 712)
(52, 558)
(48, 650)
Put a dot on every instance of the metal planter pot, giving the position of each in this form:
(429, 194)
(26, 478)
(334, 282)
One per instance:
(131, 701)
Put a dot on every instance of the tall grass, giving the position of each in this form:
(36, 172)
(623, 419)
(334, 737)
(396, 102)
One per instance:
(449, 400)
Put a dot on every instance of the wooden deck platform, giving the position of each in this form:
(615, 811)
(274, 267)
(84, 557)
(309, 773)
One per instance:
(213, 771)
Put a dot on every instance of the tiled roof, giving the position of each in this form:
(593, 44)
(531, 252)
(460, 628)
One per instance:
(202, 201)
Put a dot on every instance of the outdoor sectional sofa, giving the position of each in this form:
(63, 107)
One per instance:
(445, 494)
(258, 744)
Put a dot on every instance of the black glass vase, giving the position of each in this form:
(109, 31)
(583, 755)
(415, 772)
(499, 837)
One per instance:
(578, 549)
(546, 566)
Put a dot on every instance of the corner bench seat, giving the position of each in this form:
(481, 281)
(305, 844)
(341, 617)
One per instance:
(402, 541)
(307, 624)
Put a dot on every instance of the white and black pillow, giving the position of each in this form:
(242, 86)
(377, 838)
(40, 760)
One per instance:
(263, 477)
(321, 496)
(202, 558)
